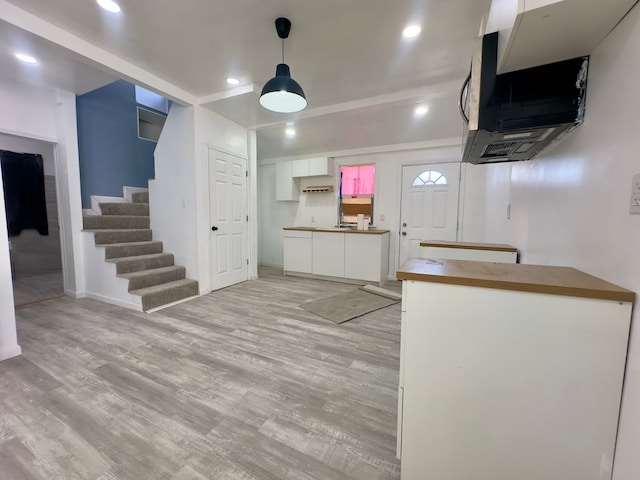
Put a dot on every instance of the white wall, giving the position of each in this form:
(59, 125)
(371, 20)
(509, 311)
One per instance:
(322, 207)
(571, 205)
(179, 194)
(49, 116)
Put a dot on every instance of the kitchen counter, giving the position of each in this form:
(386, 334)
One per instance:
(497, 247)
(339, 254)
(337, 230)
(483, 252)
(525, 278)
(517, 369)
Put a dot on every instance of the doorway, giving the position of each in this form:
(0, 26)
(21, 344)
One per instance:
(229, 222)
(35, 254)
(429, 206)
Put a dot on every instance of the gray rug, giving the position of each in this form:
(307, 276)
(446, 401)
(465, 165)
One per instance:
(347, 306)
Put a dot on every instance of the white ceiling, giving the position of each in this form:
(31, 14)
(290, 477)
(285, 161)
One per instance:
(361, 77)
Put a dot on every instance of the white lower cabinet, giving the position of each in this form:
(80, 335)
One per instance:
(297, 251)
(366, 257)
(504, 384)
(328, 254)
(362, 257)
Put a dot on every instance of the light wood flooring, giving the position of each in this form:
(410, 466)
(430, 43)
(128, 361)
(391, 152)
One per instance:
(237, 384)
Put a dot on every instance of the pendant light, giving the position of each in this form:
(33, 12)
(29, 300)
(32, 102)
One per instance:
(282, 93)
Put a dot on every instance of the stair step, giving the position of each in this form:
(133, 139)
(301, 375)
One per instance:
(124, 208)
(114, 222)
(131, 249)
(140, 197)
(106, 237)
(155, 276)
(166, 293)
(142, 262)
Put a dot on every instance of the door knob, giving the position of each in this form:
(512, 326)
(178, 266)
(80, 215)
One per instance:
(404, 234)
(213, 229)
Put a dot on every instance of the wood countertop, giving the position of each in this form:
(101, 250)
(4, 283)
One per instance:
(497, 247)
(337, 230)
(511, 276)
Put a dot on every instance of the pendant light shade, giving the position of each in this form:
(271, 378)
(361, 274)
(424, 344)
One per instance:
(282, 93)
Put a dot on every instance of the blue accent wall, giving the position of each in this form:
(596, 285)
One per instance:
(111, 154)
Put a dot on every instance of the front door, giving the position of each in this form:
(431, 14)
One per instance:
(429, 209)
(228, 211)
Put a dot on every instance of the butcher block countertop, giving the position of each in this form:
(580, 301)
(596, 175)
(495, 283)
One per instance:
(498, 247)
(337, 230)
(519, 277)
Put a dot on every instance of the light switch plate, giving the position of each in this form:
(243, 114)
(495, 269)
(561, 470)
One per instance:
(635, 194)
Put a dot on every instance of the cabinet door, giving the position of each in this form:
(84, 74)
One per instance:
(362, 256)
(328, 254)
(320, 166)
(297, 254)
(286, 186)
(300, 168)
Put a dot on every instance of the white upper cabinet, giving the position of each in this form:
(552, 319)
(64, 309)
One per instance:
(312, 167)
(538, 32)
(287, 188)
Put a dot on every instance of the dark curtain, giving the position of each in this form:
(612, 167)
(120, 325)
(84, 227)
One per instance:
(24, 198)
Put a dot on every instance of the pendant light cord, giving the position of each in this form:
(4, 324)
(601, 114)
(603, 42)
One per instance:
(283, 50)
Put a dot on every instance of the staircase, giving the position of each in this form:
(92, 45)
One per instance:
(121, 229)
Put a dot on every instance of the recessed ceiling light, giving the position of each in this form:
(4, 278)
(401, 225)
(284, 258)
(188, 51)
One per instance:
(290, 132)
(233, 81)
(421, 110)
(109, 6)
(23, 57)
(411, 31)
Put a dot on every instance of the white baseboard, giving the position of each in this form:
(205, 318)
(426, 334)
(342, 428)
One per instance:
(10, 352)
(114, 301)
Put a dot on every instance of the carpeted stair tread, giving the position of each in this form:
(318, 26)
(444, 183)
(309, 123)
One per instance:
(142, 262)
(108, 237)
(124, 208)
(130, 249)
(166, 293)
(114, 222)
(154, 276)
(140, 197)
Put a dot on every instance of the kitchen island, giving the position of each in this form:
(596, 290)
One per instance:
(509, 371)
(339, 254)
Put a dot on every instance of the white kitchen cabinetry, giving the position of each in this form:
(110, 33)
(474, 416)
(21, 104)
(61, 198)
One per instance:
(509, 371)
(297, 251)
(328, 254)
(366, 257)
(312, 167)
(287, 188)
(351, 256)
(538, 32)
(483, 252)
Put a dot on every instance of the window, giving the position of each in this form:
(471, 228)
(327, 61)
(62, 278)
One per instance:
(428, 178)
(356, 193)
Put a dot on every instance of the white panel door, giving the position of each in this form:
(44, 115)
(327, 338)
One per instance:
(228, 211)
(429, 209)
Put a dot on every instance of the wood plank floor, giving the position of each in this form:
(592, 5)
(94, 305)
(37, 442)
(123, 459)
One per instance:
(237, 384)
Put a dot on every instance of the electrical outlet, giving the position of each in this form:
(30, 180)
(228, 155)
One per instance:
(382, 217)
(635, 194)
(313, 219)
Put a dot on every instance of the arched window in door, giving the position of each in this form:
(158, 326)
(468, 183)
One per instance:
(430, 178)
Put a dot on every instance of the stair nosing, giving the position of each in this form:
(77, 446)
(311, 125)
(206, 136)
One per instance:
(138, 257)
(173, 283)
(140, 273)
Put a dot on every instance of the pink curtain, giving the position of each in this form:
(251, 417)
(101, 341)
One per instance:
(358, 180)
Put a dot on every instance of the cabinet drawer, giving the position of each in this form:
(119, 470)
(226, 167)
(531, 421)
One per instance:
(297, 233)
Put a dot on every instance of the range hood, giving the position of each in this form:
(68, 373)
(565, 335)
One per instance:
(515, 115)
